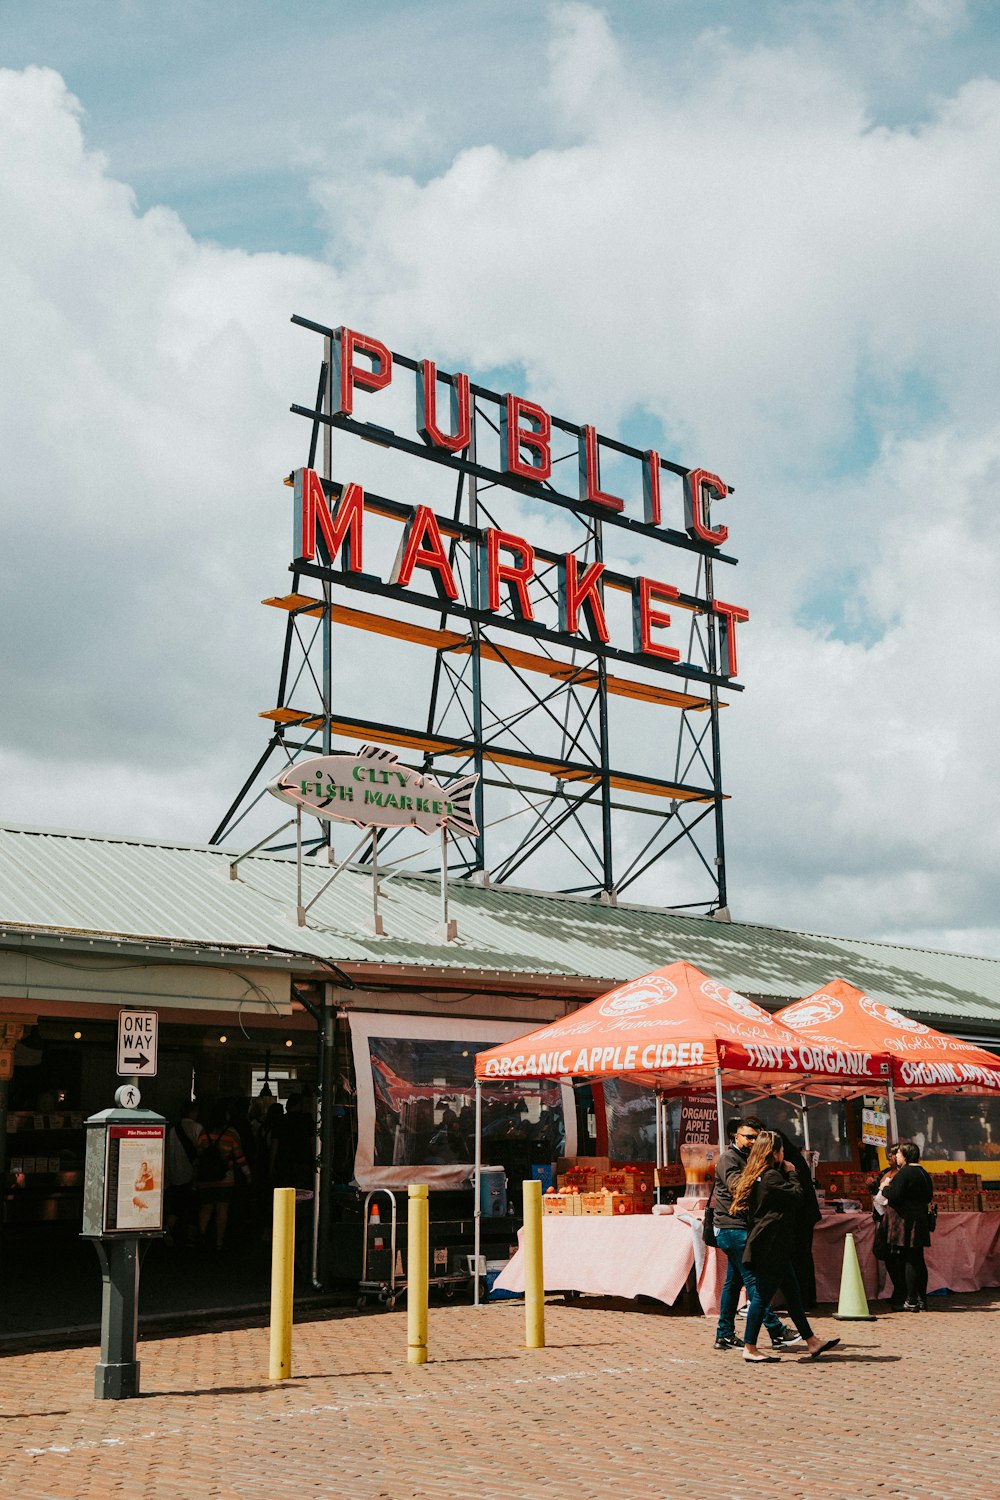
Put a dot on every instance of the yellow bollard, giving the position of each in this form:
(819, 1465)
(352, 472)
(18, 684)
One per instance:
(534, 1279)
(416, 1276)
(282, 1283)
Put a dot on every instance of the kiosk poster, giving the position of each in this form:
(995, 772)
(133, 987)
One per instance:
(135, 1178)
(874, 1127)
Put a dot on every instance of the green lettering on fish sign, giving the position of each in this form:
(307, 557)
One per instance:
(346, 793)
(407, 803)
(436, 806)
(378, 798)
(423, 804)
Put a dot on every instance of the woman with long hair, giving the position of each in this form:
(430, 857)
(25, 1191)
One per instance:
(770, 1194)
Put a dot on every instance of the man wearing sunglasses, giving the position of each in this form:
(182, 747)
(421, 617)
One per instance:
(731, 1238)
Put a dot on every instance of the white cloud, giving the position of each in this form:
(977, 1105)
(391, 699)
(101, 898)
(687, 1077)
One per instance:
(738, 252)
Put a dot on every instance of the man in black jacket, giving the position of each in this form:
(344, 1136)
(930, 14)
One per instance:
(731, 1238)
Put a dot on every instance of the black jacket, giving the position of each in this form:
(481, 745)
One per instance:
(908, 1195)
(773, 1220)
(728, 1170)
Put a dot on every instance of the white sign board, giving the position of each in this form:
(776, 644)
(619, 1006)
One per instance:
(874, 1127)
(137, 1036)
(373, 790)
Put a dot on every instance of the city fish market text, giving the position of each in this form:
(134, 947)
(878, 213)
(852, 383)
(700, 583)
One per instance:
(372, 790)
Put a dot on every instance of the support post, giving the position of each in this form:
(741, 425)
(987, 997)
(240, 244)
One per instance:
(804, 1110)
(475, 654)
(477, 1183)
(534, 1274)
(659, 1129)
(607, 841)
(116, 1377)
(722, 893)
(416, 1275)
(300, 911)
(327, 588)
(893, 1127)
(282, 1284)
(377, 926)
(448, 929)
(324, 1167)
(720, 1106)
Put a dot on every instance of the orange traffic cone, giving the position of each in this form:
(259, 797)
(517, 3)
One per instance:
(375, 1218)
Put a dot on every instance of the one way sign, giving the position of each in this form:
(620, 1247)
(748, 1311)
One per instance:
(137, 1043)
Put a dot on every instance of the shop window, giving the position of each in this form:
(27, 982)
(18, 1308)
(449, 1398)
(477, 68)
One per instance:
(951, 1127)
(425, 1106)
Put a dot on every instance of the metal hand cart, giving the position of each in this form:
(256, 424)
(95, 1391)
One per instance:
(383, 1274)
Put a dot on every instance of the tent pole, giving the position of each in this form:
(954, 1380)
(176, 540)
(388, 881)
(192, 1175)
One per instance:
(659, 1128)
(894, 1128)
(477, 1183)
(804, 1111)
(721, 1108)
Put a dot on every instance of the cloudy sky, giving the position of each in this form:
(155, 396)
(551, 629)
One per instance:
(764, 237)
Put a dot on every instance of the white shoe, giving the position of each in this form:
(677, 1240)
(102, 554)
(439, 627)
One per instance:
(788, 1341)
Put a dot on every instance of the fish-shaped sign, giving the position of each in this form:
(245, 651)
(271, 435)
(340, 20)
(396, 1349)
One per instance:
(373, 790)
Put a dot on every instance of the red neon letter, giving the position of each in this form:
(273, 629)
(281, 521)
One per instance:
(695, 484)
(729, 613)
(576, 593)
(461, 413)
(590, 473)
(651, 488)
(645, 618)
(422, 547)
(346, 344)
(515, 575)
(342, 530)
(536, 437)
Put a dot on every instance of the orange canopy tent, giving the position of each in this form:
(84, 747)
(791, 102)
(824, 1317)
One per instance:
(676, 1029)
(923, 1061)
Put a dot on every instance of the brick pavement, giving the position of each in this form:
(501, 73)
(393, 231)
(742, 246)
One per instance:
(621, 1403)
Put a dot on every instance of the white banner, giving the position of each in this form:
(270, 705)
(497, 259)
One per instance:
(403, 1120)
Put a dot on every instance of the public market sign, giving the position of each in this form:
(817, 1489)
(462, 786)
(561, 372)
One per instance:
(330, 519)
(372, 790)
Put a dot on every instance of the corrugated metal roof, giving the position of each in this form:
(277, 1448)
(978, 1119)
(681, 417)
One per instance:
(158, 892)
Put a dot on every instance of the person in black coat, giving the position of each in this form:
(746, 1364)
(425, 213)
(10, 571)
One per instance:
(908, 1199)
(808, 1217)
(772, 1196)
(881, 1248)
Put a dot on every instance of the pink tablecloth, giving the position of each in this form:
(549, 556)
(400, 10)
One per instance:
(649, 1255)
(641, 1255)
(964, 1254)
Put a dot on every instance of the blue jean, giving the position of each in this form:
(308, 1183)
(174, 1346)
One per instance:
(765, 1289)
(732, 1243)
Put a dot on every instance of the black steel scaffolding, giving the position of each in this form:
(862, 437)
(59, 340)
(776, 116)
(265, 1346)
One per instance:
(600, 768)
